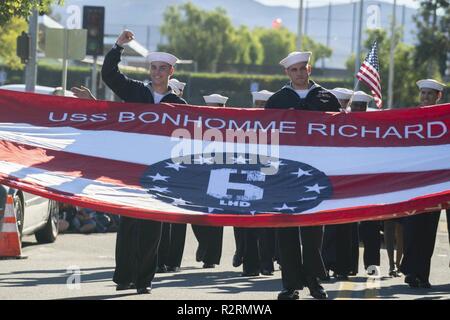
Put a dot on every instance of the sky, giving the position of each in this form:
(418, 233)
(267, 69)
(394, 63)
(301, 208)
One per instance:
(295, 3)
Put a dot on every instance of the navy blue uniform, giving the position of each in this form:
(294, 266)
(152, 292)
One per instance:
(137, 240)
(296, 271)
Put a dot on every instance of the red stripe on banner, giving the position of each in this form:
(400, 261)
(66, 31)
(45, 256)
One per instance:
(302, 128)
(112, 171)
(374, 212)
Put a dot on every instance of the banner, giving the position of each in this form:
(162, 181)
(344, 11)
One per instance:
(226, 166)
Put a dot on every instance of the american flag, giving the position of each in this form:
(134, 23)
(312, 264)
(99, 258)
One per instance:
(369, 74)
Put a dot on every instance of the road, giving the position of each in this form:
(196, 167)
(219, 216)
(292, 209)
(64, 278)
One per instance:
(52, 271)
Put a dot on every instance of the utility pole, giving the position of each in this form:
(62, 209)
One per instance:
(358, 43)
(31, 67)
(391, 59)
(306, 18)
(328, 31)
(300, 26)
(353, 27)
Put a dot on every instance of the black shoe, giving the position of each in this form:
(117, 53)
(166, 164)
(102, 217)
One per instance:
(144, 290)
(266, 272)
(250, 274)
(341, 277)
(424, 284)
(173, 269)
(125, 286)
(237, 261)
(412, 280)
(394, 273)
(315, 289)
(209, 265)
(161, 269)
(288, 294)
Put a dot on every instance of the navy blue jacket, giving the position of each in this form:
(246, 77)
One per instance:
(127, 89)
(317, 99)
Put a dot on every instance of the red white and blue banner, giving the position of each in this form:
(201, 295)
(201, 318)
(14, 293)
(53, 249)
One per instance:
(181, 163)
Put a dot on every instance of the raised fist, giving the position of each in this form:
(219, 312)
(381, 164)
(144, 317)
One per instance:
(125, 37)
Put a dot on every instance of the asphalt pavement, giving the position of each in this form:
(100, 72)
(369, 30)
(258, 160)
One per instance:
(81, 267)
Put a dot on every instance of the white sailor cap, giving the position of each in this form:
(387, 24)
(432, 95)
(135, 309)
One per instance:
(176, 84)
(430, 84)
(215, 98)
(262, 95)
(295, 57)
(342, 93)
(361, 96)
(162, 56)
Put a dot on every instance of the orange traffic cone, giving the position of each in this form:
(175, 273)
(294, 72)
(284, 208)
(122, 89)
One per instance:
(10, 246)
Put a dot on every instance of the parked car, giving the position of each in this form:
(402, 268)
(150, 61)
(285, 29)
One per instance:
(38, 89)
(35, 215)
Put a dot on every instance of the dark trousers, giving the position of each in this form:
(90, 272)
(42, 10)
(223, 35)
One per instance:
(171, 246)
(340, 248)
(419, 233)
(256, 246)
(300, 261)
(369, 232)
(136, 251)
(209, 243)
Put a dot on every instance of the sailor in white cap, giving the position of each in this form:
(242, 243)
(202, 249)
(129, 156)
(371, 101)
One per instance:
(260, 98)
(301, 267)
(177, 86)
(430, 91)
(301, 93)
(343, 95)
(420, 229)
(136, 265)
(215, 100)
(360, 101)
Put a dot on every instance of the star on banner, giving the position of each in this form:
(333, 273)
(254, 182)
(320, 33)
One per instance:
(285, 207)
(159, 177)
(301, 173)
(315, 188)
(175, 166)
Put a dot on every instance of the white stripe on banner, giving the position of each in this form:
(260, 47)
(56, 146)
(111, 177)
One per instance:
(116, 145)
(139, 198)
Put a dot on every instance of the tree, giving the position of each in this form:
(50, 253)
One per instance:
(278, 43)
(196, 34)
(405, 77)
(246, 47)
(8, 35)
(433, 37)
(22, 8)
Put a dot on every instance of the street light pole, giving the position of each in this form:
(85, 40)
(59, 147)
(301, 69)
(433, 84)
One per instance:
(358, 43)
(300, 26)
(391, 59)
(31, 67)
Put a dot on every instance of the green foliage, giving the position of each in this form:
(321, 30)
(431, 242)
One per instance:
(277, 43)
(196, 34)
(22, 8)
(208, 37)
(433, 37)
(8, 35)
